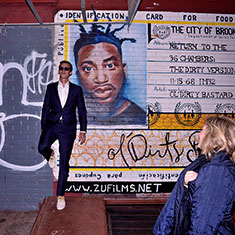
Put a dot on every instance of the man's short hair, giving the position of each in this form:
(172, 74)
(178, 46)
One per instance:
(65, 61)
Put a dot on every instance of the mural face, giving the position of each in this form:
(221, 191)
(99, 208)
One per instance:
(114, 91)
(101, 71)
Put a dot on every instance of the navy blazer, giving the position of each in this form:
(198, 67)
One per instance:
(213, 193)
(52, 110)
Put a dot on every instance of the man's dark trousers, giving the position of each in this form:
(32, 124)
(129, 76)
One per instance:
(48, 137)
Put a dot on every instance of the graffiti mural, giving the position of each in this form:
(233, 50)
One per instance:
(148, 90)
(102, 74)
(33, 83)
(25, 70)
(174, 72)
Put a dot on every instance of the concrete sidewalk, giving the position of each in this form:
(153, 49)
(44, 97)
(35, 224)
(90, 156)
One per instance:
(17, 222)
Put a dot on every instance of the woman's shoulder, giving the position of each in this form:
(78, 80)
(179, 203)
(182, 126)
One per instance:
(222, 159)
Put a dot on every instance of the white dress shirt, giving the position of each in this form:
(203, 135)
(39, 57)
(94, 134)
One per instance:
(63, 93)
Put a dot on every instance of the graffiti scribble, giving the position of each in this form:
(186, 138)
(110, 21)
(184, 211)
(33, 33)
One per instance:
(35, 74)
(31, 74)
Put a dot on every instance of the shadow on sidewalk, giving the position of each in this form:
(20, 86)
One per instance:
(17, 222)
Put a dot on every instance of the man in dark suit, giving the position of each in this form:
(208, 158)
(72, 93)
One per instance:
(59, 122)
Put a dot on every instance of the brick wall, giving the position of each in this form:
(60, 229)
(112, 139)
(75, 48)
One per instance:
(154, 151)
(25, 57)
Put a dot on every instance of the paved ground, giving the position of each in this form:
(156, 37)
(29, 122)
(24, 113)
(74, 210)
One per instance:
(17, 222)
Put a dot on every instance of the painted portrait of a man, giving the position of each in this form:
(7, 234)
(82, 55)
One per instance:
(101, 71)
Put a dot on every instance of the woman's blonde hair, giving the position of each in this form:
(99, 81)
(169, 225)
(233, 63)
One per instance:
(219, 135)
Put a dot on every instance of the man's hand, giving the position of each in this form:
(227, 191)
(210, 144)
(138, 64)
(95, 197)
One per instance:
(189, 176)
(82, 137)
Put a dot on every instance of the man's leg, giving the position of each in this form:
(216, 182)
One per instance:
(47, 138)
(65, 149)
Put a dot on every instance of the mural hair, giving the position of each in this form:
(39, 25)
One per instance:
(98, 34)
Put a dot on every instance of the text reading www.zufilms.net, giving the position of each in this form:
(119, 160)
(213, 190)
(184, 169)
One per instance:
(119, 187)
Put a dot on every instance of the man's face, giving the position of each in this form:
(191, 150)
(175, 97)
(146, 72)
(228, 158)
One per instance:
(101, 71)
(64, 72)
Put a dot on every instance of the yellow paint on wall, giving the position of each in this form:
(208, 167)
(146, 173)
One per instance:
(66, 42)
(179, 121)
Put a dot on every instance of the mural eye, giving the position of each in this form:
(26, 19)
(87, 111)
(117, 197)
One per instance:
(88, 69)
(110, 66)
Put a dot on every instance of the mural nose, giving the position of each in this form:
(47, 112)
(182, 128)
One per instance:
(101, 76)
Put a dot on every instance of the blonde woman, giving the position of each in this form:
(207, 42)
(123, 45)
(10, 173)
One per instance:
(207, 185)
